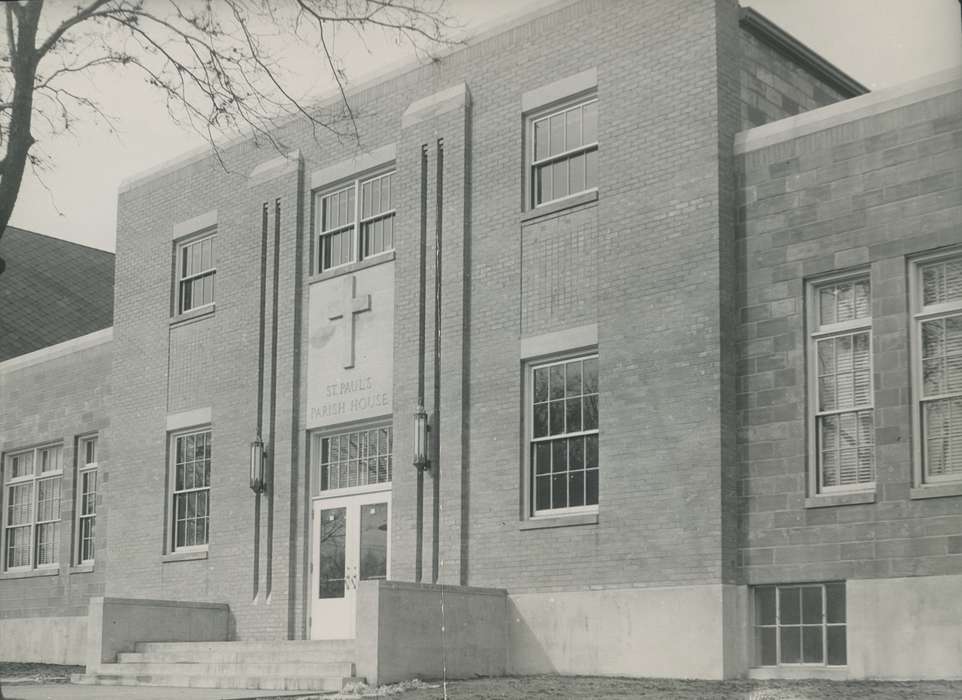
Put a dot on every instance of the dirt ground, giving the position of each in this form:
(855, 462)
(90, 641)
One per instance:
(529, 688)
(12, 673)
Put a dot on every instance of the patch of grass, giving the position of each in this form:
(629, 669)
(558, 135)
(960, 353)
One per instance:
(17, 673)
(596, 688)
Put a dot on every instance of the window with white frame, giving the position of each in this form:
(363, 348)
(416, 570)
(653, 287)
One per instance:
(564, 152)
(190, 495)
(355, 222)
(800, 625)
(937, 345)
(840, 351)
(86, 498)
(352, 458)
(32, 483)
(563, 435)
(195, 268)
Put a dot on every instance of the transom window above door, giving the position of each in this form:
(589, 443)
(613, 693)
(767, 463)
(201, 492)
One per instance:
(350, 459)
(355, 222)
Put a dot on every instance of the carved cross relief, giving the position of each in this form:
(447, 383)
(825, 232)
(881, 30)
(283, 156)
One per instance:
(345, 308)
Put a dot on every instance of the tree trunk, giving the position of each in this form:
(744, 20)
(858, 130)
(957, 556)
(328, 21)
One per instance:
(23, 59)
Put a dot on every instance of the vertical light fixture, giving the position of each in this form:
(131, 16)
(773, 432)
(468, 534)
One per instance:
(421, 429)
(258, 466)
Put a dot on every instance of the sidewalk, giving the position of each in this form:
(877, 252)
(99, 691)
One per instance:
(65, 691)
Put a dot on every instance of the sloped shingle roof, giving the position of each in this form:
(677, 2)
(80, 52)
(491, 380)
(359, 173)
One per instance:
(51, 291)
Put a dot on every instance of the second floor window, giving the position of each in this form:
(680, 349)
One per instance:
(355, 222)
(195, 273)
(564, 152)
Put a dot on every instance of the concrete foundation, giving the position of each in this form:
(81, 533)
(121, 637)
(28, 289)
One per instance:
(905, 628)
(654, 632)
(50, 640)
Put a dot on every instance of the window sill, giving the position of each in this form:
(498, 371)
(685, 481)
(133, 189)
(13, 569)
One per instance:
(543, 522)
(828, 500)
(937, 490)
(82, 569)
(550, 208)
(350, 268)
(31, 573)
(183, 556)
(831, 673)
(192, 315)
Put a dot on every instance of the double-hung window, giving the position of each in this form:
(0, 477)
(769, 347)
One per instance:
(937, 367)
(564, 152)
(355, 222)
(195, 273)
(86, 498)
(563, 435)
(840, 351)
(190, 457)
(32, 483)
(800, 624)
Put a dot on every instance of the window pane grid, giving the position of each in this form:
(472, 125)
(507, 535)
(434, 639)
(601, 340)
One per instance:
(191, 492)
(800, 625)
(87, 513)
(32, 514)
(844, 417)
(196, 269)
(352, 459)
(564, 434)
(356, 222)
(939, 369)
(564, 153)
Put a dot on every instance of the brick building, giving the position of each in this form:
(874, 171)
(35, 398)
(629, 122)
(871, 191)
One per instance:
(681, 304)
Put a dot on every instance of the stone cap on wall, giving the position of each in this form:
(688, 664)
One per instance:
(52, 352)
(868, 105)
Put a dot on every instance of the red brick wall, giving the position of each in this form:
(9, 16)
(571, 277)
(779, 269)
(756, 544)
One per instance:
(863, 194)
(59, 400)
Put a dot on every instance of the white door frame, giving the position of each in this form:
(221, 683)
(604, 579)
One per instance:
(335, 617)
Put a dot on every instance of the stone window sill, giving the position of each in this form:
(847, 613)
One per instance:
(192, 315)
(828, 500)
(831, 673)
(32, 573)
(183, 556)
(542, 523)
(937, 490)
(82, 569)
(562, 204)
(351, 268)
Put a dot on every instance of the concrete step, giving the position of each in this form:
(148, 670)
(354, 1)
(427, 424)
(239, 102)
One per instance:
(239, 656)
(281, 651)
(204, 667)
(226, 681)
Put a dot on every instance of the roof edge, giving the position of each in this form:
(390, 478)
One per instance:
(884, 100)
(52, 352)
(776, 37)
(485, 31)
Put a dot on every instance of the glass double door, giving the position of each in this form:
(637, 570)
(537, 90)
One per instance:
(350, 543)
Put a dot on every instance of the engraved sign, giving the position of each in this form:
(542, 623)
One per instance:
(351, 347)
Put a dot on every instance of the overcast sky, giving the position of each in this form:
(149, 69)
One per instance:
(878, 42)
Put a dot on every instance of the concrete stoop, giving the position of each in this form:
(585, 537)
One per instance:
(281, 665)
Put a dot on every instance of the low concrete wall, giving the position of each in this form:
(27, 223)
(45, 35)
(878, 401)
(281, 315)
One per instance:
(654, 632)
(401, 633)
(116, 624)
(905, 628)
(49, 640)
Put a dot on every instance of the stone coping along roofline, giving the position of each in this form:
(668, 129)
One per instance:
(52, 352)
(785, 43)
(486, 31)
(850, 110)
